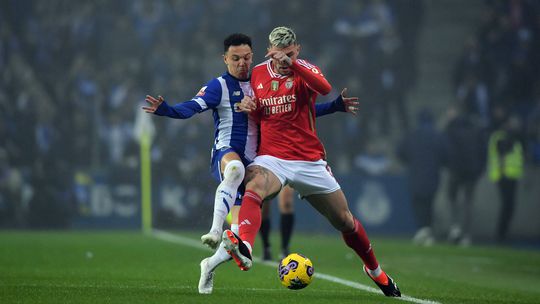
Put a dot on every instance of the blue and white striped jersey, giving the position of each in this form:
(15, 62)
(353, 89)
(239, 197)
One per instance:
(232, 129)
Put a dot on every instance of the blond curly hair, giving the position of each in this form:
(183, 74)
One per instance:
(282, 37)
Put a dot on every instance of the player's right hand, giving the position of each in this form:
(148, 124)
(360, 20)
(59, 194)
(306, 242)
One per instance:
(154, 103)
(280, 56)
(247, 105)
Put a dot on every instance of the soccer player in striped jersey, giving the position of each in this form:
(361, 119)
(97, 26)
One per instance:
(290, 153)
(236, 138)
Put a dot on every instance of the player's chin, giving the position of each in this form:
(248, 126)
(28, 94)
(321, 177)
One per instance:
(243, 74)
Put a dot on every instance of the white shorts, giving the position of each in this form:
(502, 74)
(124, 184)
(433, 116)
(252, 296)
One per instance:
(306, 177)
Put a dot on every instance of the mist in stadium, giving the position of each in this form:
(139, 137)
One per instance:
(103, 202)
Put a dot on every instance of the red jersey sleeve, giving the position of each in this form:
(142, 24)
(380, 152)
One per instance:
(312, 76)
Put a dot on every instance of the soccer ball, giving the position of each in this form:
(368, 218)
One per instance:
(295, 271)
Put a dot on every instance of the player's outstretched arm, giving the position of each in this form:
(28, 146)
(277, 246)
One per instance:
(341, 104)
(181, 110)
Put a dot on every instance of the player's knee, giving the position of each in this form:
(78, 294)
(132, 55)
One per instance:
(234, 173)
(347, 221)
(258, 186)
(343, 221)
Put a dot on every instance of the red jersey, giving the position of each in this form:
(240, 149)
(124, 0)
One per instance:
(286, 110)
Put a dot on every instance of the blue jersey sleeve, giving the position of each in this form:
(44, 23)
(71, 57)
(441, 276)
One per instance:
(181, 110)
(208, 97)
(333, 106)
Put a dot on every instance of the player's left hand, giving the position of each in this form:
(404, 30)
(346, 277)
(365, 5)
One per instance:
(280, 56)
(350, 103)
(153, 103)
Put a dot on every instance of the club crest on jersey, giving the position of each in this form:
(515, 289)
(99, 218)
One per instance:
(201, 92)
(275, 85)
(289, 83)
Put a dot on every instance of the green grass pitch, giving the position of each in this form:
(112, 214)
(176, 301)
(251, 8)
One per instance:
(129, 267)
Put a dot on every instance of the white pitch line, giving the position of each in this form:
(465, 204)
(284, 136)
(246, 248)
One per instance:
(177, 239)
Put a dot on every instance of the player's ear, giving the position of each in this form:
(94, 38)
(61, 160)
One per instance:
(225, 58)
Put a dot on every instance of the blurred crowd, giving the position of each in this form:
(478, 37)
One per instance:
(492, 127)
(498, 73)
(74, 74)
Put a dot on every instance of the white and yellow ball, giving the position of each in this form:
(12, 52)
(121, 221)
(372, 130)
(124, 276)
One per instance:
(295, 271)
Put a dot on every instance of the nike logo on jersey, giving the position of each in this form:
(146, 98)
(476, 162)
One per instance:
(260, 86)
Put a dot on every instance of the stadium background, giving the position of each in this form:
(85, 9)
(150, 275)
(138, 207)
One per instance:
(74, 75)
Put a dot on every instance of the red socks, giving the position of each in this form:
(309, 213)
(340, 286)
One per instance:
(249, 221)
(249, 218)
(359, 242)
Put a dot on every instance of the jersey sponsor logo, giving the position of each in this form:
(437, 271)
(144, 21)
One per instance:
(201, 92)
(260, 86)
(275, 85)
(236, 93)
(277, 104)
(315, 71)
(278, 100)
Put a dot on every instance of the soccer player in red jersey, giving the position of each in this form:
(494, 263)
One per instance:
(290, 153)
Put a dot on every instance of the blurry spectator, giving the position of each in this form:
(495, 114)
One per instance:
(471, 61)
(519, 87)
(12, 210)
(389, 87)
(466, 162)
(367, 27)
(497, 39)
(505, 167)
(409, 18)
(423, 151)
(374, 160)
(532, 128)
(472, 93)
